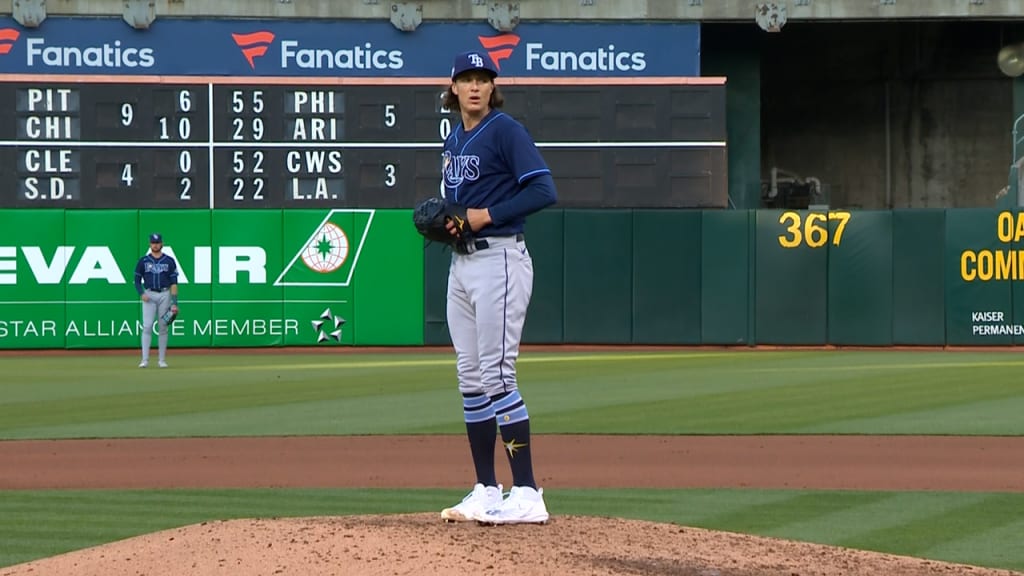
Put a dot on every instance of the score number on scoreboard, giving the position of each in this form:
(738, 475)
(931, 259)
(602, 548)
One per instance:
(199, 146)
(106, 146)
(296, 158)
(224, 145)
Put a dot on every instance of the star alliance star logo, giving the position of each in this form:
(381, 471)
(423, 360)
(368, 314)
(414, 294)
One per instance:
(328, 327)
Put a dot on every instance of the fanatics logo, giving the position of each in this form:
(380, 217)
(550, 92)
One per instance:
(254, 45)
(499, 47)
(8, 36)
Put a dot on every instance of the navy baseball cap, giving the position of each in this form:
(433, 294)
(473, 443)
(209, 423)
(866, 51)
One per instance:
(156, 238)
(473, 61)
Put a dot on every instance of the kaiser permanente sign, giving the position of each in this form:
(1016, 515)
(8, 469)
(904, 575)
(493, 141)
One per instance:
(330, 48)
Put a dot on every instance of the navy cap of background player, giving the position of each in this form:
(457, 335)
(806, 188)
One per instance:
(473, 61)
(156, 239)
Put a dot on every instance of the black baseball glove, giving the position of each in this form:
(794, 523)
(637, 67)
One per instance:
(170, 315)
(432, 216)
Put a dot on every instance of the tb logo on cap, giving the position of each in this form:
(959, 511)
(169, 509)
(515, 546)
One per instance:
(476, 60)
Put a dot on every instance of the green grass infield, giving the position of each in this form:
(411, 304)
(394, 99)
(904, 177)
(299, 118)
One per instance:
(979, 529)
(105, 395)
(749, 392)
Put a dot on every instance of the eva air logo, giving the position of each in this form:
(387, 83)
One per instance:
(326, 253)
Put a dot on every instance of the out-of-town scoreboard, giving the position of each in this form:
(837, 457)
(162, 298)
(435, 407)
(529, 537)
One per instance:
(270, 114)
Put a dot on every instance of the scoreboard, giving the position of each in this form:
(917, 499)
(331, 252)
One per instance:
(228, 142)
(280, 158)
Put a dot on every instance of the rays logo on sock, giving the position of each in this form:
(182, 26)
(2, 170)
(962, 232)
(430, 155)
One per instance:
(253, 45)
(459, 169)
(499, 47)
(512, 447)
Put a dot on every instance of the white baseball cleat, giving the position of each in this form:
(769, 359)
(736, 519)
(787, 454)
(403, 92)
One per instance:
(473, 506)
(162, 364)
(143, 364)
(524, 505)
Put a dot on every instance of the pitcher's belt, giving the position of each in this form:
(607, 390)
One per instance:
(490, 242)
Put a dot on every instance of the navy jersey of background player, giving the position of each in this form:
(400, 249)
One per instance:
(155, 273)
(487, 166)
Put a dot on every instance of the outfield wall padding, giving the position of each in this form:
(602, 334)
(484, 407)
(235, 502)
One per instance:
(678, 277)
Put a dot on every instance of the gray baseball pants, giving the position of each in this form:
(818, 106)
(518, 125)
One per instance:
(488, 294)
(152, 311)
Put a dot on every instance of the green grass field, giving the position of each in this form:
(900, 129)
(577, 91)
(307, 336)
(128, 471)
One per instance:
(728, 392)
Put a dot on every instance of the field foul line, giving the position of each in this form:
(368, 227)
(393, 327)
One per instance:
(868, 367)
(598, 357)
(450, 361)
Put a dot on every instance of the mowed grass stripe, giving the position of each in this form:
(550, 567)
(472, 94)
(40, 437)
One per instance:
(144, 396)
(768, 517)
(997, 546)
(971, 515)
(778, 403)
(132, 513)
(438, 411)
(689, 507)
(876, 511)
(80, 367)
(984, 417)
(184, 396)
(103, 516)
(700, 394)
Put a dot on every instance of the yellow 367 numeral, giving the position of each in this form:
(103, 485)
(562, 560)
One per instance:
(812, 230)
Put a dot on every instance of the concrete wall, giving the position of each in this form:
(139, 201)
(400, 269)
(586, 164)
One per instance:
(901, 114)
(707, 10)
(734, 52)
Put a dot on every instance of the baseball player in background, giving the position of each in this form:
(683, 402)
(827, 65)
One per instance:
(492, 166)
(156, 281)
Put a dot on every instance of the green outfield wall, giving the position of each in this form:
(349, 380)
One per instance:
(364, 277)
(248, 277)
(916, 277)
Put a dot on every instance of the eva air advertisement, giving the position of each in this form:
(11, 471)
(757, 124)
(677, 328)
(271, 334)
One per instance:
(246, 277)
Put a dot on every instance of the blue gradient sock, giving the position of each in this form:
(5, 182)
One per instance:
(482, 433)
(514, 422)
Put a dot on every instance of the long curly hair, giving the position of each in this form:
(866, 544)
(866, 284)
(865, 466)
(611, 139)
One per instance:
(451, 101)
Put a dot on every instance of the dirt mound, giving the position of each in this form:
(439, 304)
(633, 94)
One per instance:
(420, 544)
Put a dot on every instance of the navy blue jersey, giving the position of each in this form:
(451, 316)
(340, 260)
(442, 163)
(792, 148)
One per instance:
(155, 273)
(489, 166)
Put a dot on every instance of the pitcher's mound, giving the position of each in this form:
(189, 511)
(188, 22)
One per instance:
(420, 544)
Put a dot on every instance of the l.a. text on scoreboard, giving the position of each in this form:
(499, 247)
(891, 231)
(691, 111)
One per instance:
(222, 143)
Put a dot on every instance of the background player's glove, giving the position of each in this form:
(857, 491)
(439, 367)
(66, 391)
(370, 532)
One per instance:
(432, 217)
(171, 314)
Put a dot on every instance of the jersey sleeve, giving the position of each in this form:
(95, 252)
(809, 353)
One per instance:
(522, 154)
(138, 276)
(173, 272)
